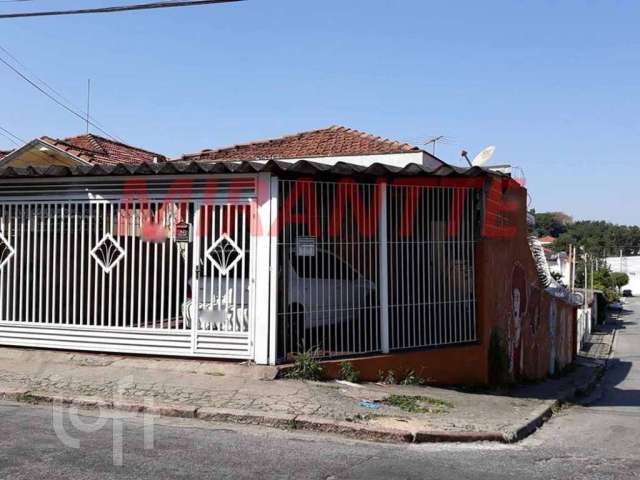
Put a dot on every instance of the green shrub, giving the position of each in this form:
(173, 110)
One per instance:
(348, 373)
(306, 367)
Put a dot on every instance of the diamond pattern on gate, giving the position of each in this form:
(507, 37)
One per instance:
(225, 254)
(107, 253)
(6, 251)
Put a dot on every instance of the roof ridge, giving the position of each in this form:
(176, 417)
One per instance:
(66, 143)
(377, 137)
(95, 138)
(262, 140)
(335, 127)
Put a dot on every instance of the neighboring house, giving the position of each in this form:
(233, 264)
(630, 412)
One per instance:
(86, 149)
(333, 241)
(547, 240)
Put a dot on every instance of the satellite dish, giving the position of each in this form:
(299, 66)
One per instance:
(484, 156)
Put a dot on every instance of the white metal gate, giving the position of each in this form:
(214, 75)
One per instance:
(224, 275)
(121, 276)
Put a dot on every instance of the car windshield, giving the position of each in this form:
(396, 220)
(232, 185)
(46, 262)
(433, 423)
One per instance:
(322, 265)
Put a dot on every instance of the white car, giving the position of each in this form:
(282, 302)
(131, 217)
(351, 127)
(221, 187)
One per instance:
(320, 290)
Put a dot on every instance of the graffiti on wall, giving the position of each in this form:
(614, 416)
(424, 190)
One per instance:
(553, 327)
(519, 297)
(539, 329)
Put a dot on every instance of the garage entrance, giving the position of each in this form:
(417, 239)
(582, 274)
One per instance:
(141, 276)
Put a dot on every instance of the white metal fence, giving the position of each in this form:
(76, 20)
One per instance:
(367, 268)
(123, 275)
(362, 267)
(431, 266)
(328, 269)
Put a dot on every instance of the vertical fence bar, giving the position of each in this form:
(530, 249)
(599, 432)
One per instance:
(67, 318)
(384, 268)
(114, 271)
(4, 270)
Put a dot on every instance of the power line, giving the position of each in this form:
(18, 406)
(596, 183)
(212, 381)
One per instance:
(11, 136)
(51, 97)
(120, 8)
(47, 85)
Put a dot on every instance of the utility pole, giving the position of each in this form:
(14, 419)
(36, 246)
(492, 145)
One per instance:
(569, 265)
(621, 260)
(586, 280)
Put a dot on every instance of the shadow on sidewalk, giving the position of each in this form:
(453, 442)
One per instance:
(577, 374)
(617, 372)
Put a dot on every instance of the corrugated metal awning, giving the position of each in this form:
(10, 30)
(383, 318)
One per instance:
(278, 167)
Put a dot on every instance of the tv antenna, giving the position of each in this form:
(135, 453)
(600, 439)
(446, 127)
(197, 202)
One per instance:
(434, 140)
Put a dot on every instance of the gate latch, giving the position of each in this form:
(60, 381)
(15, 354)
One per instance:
(198, 271)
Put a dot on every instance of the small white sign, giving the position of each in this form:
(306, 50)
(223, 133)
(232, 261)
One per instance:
(306, 246)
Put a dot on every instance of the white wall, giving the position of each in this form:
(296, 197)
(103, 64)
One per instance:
(561, 265)
(395, 159)
(630, 266)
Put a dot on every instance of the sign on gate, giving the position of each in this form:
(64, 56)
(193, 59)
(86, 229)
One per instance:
(184, 232)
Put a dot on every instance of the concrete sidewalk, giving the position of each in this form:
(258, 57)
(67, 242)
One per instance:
(234, 392)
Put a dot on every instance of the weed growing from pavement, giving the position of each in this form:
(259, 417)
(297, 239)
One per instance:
(412, 378)
(362, 417)
(348, 372)
(418, 404)
(306, 367)
(390, 377)
(28, 398)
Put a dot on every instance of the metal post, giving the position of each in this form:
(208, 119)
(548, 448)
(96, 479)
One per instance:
(384, 267)
(261, 230)
(272, 232)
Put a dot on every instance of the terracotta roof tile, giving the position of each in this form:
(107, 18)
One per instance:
(325, 142)
(98, 150)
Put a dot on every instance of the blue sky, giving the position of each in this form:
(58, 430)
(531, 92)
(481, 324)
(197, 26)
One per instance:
(553, 84)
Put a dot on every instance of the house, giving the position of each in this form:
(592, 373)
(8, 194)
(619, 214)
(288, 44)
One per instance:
(333, 240)
(325, 145)
(547, 240)
(80, 150)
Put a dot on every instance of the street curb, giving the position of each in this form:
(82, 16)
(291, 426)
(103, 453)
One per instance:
(286, 421)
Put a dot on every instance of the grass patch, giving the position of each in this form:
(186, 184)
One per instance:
(418, 404)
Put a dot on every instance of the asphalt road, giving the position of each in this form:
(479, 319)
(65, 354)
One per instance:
(601, 440)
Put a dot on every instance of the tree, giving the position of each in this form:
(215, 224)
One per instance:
(619, 279)
(551, 223)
